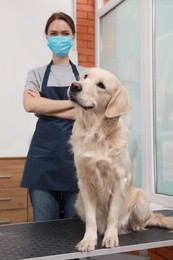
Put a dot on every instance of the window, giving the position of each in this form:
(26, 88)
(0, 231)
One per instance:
(120, 54)
(164, 96)
(135, 39)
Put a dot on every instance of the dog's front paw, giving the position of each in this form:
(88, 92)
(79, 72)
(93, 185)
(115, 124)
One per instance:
(110, 241)
(86, 245)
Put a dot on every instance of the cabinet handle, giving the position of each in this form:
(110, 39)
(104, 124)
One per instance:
(5, 199)
(5, 222)
(5, 177)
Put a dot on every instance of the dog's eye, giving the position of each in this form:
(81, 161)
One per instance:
(85, 76)
(101, 85)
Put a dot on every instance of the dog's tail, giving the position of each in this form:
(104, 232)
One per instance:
(159, 220)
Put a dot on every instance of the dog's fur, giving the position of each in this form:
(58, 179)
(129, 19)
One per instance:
(108, 201)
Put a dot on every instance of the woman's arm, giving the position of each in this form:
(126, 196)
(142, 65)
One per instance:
(33, 102)
(68, 114)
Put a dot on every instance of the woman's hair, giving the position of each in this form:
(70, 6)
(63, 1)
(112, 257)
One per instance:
(60, 16)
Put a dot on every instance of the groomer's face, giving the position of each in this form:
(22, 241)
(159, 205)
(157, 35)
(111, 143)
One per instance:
(59, 28)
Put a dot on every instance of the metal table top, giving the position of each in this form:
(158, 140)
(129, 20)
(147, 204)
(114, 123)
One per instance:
(57, 240)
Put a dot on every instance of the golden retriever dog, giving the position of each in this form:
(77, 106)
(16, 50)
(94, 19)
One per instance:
(108, 201)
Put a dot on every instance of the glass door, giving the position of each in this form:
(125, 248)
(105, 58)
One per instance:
(135, 42)
(120, 53)
(163, 88)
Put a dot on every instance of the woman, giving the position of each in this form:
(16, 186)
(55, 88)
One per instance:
(49, 171)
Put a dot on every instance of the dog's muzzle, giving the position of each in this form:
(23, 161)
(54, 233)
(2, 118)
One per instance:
(73, 92)
(74, 89)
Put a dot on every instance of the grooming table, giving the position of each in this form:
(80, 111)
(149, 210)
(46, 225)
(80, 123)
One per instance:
(57, 240)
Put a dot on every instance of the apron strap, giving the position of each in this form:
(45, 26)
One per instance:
(46, 75)
(75, 71)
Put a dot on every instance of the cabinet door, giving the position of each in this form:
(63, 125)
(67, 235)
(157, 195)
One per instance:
(11, 172)
(13, 216)
(15, 198)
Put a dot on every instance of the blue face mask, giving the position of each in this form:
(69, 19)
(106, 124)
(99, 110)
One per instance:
(60, 45)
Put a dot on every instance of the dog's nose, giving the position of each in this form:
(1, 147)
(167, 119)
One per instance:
(76, 87)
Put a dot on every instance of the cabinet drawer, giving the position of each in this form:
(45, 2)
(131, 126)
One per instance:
(15, 198)
(11, 171)
(13, 216)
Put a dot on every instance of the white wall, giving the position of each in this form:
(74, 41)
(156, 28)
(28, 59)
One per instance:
(22, 47)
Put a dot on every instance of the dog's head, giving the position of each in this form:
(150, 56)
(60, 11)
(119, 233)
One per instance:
(99, 90)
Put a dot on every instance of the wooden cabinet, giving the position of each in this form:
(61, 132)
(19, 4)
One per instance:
(14, 201)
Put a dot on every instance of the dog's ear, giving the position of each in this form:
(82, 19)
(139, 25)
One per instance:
(119, 103)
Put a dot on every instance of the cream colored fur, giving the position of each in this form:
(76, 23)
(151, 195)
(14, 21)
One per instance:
(108, 201)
